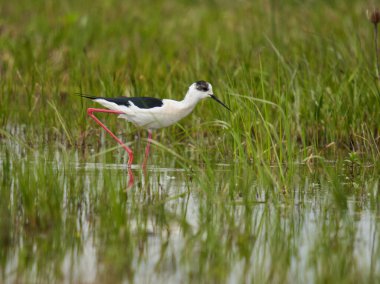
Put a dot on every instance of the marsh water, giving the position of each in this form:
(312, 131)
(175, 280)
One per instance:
(71, 216)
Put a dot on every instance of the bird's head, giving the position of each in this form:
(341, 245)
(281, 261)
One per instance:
(202, 90)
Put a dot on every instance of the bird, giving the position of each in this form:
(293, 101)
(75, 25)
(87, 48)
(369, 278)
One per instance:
(151, 113)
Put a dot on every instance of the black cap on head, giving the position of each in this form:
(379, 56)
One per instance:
(202, 86)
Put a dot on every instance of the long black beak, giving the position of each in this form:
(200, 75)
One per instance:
(215, 98)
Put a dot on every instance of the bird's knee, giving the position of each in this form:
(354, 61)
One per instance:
(90, 111)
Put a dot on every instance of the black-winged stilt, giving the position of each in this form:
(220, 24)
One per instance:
(151, 113)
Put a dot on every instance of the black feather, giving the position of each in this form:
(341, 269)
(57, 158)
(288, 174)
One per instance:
(202, 86)
(86, 96)
(140, 102)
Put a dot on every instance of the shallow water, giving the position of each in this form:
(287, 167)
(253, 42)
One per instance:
(70, 217)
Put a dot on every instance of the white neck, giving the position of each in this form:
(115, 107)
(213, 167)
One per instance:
(190, 101)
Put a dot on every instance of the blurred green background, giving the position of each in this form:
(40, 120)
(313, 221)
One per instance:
(305, 69)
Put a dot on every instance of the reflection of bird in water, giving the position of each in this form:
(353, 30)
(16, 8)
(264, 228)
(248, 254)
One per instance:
(151, 113)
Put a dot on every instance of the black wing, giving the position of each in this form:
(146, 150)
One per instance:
(140, 102)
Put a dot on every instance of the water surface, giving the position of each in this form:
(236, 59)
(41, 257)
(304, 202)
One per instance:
(71, 217)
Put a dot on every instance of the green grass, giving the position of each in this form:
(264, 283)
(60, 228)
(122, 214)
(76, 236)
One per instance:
(294, 83)
(282, 189)
(61, 217)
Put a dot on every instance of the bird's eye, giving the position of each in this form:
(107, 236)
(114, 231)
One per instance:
(202, 86)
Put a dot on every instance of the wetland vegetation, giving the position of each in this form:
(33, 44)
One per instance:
(285, 188)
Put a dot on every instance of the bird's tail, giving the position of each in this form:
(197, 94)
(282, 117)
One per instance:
(86, 96)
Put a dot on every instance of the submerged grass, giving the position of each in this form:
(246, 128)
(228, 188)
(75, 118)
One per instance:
(283, 189)
(77, 222)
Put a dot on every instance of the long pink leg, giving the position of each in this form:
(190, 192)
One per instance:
(131, 178)
(147, 149)
(90, 112)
